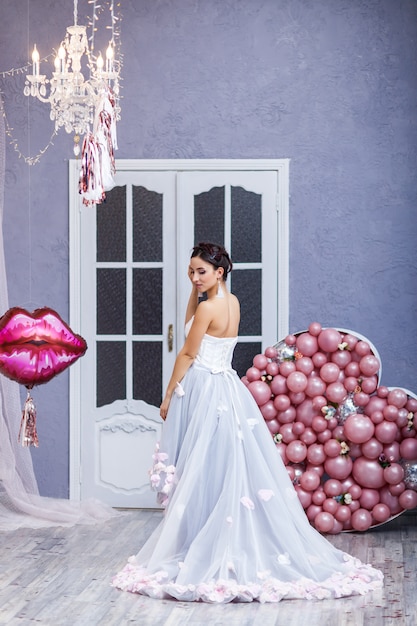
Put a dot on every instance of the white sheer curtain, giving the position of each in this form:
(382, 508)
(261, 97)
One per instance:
(20, 502)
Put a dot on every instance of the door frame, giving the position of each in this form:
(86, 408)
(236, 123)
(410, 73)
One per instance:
(281, 166)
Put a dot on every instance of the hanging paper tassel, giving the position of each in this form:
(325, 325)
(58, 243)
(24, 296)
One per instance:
(27, 433)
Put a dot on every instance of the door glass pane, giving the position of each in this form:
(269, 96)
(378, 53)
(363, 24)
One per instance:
(111, 371)
(111, 301)
(147, 225)
(247, 286)
(209, 216)
(246, 218)
(111, 226)
(147, 371)
(243, 356)
(147, 301)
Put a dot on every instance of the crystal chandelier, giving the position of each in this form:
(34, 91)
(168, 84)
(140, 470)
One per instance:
(72, 97)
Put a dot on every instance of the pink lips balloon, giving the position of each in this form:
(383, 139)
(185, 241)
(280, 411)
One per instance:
(353, 442)
(35, 347)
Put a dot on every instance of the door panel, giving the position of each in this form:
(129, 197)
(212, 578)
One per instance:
(129, 291)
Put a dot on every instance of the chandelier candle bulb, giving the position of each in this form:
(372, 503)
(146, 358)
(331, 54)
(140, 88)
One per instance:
(35, 61)
(109, 58)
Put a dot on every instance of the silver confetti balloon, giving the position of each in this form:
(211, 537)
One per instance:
(285, 352)
(410, 473)
(348, 407)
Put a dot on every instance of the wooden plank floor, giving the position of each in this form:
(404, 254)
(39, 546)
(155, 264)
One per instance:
(61, 577)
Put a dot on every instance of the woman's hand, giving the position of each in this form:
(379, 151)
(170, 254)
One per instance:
(163, 409)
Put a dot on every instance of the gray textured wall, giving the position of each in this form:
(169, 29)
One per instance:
(330, 84)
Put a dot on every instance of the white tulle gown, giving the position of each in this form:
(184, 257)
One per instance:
(234, 529)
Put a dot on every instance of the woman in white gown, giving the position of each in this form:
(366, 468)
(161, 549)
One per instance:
(234, 529)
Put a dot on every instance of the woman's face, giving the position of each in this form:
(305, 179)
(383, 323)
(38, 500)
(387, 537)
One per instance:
(203, 275)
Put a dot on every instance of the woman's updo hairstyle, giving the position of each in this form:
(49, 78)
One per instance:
(214, 254)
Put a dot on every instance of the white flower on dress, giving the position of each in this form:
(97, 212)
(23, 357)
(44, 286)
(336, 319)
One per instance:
(247, 502)
(283, 559)
(229, 520)
(179, 390)
(265, 494)
(252, 422)
(264, 575)
(231, 567)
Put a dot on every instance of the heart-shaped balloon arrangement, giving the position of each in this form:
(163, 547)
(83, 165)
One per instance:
(349, 445)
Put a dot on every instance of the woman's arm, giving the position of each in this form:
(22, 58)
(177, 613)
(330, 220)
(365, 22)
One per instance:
(188, 352)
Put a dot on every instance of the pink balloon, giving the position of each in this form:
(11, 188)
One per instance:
(343, 513)
(350, 383)
(278, 385)
(297, 381)
(369, 498)
(319, 496)
(338, 467)
(296, 451)
(390, 413)
(397, 397)
(309, 481)
(319, 359)
(375, 404)
(329, 372)
(306, 344)
(362, 348)
(368, 473)
(386, 432)
(286, 368)
(253, 374)
(369, 384)
(391, 501)
(271, 352)
(354, 506)
(359, 428)
(332, 448)
(303, 496)
(392, 452)
(402, 419)
(317, 469)
(342, 358)
(355, 450)
(355, 491)
(377, 417)
(260, 391)
(396, 490)
(369, 365)
(318, 403)
(329, 340)
(336, 392)
(324, 522)
(245, 381)
(361, 520)
(273, 426)
(408, 449)
(318, 424)
(287, 433)
(281, 402)
(312, 511)
(382, 392)
(330, 505)
(287, 416)
(408, 499)
(332, 487)
(350, 340)
(305, 412)
(268, 410)
(272, 368)
(372, 448)
(308, 436)
(352, 369)
(290, 340)
(315, 387)
(393, 474)
(337, 527)
(260, 361)
(324, 435)
(296, 397)
(298, 428)
(314, 329)
(411, 405)
(305, 365)
(381, 513)
(361, 399)
(315, 454)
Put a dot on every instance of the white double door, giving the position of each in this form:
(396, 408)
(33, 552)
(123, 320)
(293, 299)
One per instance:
(129, 290)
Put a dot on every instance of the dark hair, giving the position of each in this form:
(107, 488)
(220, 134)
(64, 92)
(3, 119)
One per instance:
(214, 254)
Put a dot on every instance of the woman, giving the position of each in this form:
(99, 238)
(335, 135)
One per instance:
(234, 528)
